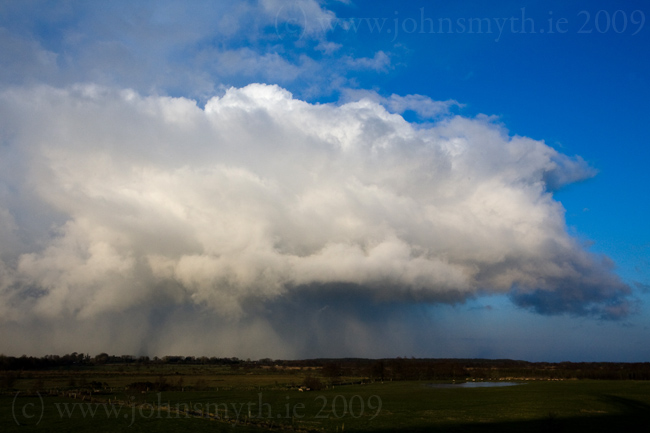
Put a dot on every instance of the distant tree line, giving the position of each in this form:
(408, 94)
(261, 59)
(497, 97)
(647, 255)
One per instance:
(472, 369)
(79, 359)
(335, 370)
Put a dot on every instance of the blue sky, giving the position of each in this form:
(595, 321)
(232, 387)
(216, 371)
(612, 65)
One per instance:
(445, 179)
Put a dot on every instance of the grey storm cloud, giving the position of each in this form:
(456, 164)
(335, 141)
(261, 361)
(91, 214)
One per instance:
(113, 203)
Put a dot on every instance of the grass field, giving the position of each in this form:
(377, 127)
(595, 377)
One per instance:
(217, 399)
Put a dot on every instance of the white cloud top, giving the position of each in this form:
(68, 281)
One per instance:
(112, 201)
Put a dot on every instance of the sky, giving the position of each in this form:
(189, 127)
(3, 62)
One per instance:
(302, 179)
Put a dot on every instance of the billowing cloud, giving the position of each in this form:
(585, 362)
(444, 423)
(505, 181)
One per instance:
(423, 106)
(259, 200)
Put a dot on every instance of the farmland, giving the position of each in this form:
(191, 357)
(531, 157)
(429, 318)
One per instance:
(302, 397)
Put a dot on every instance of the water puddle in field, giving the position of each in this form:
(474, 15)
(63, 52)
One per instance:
(472, 385)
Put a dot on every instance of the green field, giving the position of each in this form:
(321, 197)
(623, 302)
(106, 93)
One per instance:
(217, 399)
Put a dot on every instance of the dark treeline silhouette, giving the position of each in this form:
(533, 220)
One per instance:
(473, 369)
(373, 369)
(79, 359)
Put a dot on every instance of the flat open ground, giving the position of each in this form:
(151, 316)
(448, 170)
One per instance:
(216, 398)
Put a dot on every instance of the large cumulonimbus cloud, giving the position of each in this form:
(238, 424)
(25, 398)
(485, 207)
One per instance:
(112, 201)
